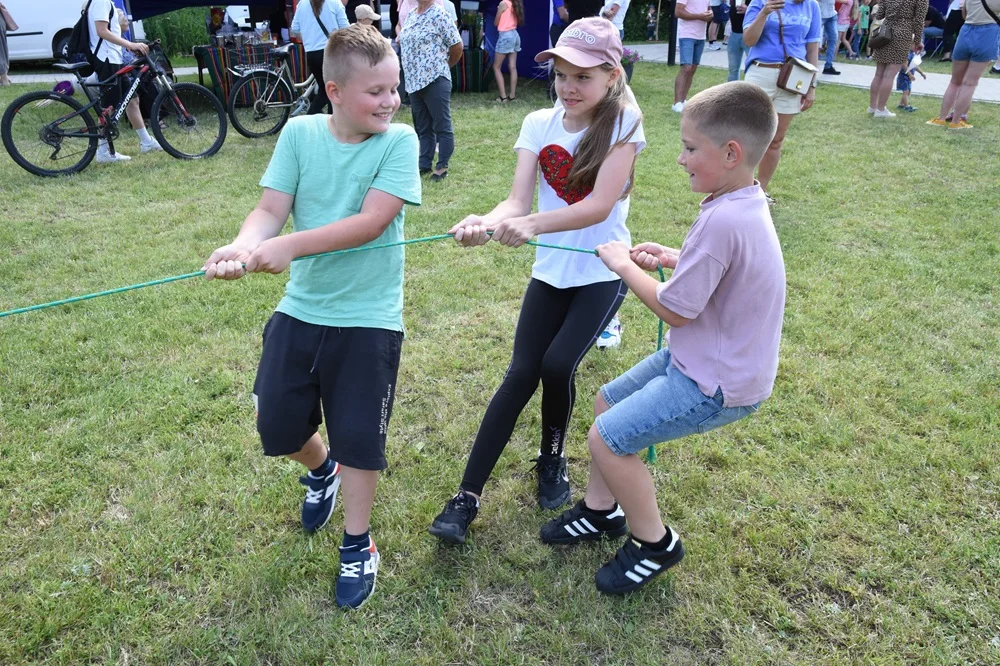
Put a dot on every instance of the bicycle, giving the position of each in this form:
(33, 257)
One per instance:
(42, 128)
(261, 101)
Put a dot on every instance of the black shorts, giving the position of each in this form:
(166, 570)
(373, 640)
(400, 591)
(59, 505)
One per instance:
(114, 93)
(347, 374)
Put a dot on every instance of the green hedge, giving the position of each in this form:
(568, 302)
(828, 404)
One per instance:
(635, 20)
(178, 30)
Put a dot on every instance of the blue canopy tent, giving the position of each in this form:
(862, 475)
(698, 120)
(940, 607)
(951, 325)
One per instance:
(140, 9)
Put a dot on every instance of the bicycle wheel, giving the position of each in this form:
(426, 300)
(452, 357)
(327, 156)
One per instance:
(45, 135)
(188, 121)
(259, 104)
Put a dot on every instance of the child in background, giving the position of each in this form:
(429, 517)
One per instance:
(332, 347)
(366, 15)
(860, 29)
(846, 16)
(510, 14)
(585, 150)
(724, 303)
(904, 81)
(650, 23)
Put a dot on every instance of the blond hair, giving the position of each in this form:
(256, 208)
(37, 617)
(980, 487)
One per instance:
(735, 111)
(600, 138)
(351, 46)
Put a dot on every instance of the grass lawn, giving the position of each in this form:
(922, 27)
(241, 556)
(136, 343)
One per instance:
(854, 520)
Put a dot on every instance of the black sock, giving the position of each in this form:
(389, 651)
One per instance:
(601, 512)
(658, 546)
(352, 541)
(323, 469)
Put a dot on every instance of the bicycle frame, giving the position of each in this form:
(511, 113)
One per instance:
(308, 87)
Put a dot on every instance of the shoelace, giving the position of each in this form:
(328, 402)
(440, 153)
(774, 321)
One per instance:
(350, 569)
(548, 471)
(460, 503)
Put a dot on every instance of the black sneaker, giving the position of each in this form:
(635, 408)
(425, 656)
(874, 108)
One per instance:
(581, 524)
(634, 565)
(831, 70)
(553, 481)
(452, 524)
(321, 496)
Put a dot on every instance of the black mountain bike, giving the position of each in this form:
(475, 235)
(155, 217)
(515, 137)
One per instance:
(51, 134)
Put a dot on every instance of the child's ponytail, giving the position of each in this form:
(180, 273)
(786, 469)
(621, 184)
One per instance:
(596, 143)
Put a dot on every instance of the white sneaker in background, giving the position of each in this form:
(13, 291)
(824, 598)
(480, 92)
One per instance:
(611, 337)
(678, 107)
(871, 110)
(884, 113)
(150, 147)
(714, 46)
(104, 157)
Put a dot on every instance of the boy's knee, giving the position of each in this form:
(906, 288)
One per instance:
(598, 447)
(600, 404)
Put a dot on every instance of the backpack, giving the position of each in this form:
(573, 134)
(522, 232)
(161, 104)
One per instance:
(78, 47)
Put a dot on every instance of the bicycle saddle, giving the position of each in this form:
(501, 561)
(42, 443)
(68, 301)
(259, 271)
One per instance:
(70, 66)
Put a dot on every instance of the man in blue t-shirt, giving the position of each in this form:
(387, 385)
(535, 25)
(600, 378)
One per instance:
(560, 19)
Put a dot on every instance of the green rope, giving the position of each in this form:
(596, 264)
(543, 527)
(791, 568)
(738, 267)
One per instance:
(651, 456)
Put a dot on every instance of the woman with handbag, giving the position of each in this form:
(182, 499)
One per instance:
(975, 49)
(783, 40)
(901, 31)
(6, 23)
(312, 23)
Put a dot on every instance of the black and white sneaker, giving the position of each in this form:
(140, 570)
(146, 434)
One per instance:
(581, 524)
(452, 524)
(634, 565)
(553, 481)
(321, 497)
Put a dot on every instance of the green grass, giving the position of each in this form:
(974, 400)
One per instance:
(853, 520)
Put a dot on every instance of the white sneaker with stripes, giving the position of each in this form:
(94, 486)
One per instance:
(581, 524)
(634, 565)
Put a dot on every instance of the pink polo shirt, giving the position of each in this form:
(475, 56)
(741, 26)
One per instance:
(730, 281)
(692, 29)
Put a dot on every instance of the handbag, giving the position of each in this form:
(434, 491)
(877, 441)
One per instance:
(882, 35)
(796, 75)
(9, 20)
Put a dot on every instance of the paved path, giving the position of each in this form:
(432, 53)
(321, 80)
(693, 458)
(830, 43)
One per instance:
(855, 76)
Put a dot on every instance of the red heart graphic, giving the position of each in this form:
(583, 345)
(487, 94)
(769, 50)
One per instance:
(556, 163)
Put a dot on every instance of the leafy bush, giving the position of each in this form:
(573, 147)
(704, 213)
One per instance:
(179, 30)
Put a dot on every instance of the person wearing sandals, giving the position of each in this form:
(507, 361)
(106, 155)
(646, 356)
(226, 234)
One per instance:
(510, 14)
(431, 46)
(975, 49)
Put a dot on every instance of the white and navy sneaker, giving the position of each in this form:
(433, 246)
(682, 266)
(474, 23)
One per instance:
(321, 496)
(581, 524)
(553, 481)
(358, 569)
(634, 565)
(611, 336)
(452, 524)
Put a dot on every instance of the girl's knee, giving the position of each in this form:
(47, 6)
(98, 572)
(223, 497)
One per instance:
(600, 404)
(598, 447)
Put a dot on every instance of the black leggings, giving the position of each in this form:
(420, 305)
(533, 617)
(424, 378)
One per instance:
(952, 25)
(555, 330)
(320, 103)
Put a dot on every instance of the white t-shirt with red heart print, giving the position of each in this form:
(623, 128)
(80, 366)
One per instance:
(542, 133)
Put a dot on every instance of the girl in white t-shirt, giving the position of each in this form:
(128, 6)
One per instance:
(585, 150)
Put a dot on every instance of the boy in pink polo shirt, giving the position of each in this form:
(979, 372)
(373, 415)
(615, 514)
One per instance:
(724, 303)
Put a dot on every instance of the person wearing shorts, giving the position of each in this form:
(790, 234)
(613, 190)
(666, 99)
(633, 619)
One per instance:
(717, 28)
(802, 28)
(692, 15)
(975, 49)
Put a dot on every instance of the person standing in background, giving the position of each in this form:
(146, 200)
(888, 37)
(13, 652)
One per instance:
(313, 22)
(737, 52)
(4, 54)
(614, 11)
(952, 24)
(828, 13)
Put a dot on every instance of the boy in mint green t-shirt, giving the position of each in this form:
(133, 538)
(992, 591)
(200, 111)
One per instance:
(332, 347)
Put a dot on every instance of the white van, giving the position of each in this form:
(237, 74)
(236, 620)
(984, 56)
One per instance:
(43, 27)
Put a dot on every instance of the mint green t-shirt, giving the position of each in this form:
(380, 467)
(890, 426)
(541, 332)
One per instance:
(329, 181)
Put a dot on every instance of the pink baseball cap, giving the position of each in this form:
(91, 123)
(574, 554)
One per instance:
(588, 42)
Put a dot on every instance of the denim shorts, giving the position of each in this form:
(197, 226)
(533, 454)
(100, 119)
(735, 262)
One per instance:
(691, 50)
(977, 43)
(655, 402)
(509, 41)
(903, 81)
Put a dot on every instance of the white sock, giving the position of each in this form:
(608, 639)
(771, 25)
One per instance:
(144, 136)
(102, 146)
